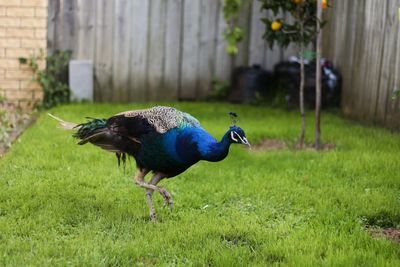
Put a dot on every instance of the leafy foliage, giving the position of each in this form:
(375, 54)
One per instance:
(303, 29)
(233, 34)
(53, 79)
(396, 94)
(219, 90)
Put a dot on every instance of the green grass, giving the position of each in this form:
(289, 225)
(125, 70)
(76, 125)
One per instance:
(63, 204)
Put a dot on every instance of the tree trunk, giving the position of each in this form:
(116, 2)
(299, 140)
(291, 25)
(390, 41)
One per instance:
(301, 98)
(318, 79)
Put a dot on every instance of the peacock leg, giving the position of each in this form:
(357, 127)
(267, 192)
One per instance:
(163, 192)
(150, 187)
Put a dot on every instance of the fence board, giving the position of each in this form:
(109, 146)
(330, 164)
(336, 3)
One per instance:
(172, 49)
(121, 50)
(156, 46)
(190, 48)
(208, 35)
(257, 44)
(103, 57)
(362, 39)
(139, 50)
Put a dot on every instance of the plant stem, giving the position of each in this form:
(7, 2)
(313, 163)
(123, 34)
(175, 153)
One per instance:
(318, 79)
(301, 98)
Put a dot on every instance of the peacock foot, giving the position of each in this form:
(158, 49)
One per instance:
(167, 198)
(153, 217)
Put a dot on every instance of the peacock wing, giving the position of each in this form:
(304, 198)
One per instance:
(136, 123)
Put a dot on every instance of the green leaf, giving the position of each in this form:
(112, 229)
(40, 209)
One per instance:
(22, 60)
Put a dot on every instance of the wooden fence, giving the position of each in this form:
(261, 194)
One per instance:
(363, 40)
(156, 49)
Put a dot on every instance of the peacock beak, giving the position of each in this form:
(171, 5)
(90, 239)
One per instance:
(245, 142)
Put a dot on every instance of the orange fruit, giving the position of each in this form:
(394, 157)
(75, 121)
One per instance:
(276, 25)
(297, 2)
(324, 4)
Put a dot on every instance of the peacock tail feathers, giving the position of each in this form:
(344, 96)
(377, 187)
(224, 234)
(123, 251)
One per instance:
(87, 129)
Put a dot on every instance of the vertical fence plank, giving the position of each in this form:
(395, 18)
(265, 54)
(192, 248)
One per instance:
(257, 44)
(68, 33)
(242, 57)
(190, 48)
(53, 14)
(103, 51)
(156, 46)
(121, 50)
(388, 67)
(139, 49)
(207, 47)
(172, 49)
(86, 32)
(223, 62)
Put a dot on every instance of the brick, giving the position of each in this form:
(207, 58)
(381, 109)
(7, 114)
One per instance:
(2, 52)
(41, 12)
(20, 12)
(2, 11)
(41, 33)
(36, 3)
(18, 52)
(19, 74)
(38, 94)
(9, 63)
(30, 85)
(9, 84)
(10, 2)
(2, 32)
(18, 32)
(19, 94)
(33, 22)
(10, 22)
(27, 104)
(9, 42)
(33, 43)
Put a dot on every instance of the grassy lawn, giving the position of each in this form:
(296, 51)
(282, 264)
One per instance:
(63, 204)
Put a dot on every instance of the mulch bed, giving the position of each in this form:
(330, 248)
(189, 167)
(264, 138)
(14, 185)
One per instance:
(16, 120)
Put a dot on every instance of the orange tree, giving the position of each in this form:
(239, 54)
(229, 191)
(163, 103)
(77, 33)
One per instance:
(302, 31)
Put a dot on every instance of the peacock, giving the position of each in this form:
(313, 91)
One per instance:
(162, 140)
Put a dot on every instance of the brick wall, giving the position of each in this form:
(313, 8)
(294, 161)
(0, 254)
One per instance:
(23, 30)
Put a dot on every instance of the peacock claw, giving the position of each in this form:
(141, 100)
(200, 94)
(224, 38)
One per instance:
(167, 198)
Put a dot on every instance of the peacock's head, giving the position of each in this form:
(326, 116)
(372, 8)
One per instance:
(237, 135)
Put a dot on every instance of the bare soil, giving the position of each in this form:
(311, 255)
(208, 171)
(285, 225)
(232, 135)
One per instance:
(275, 144)
(389, 233)
(270, 144)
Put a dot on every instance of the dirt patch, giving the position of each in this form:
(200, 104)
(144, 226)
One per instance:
(275, 144)
(270, 144)
(389, 233)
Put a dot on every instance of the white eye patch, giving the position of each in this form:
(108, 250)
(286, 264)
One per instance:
(235, 136)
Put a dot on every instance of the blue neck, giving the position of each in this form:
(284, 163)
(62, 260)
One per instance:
(218, 150)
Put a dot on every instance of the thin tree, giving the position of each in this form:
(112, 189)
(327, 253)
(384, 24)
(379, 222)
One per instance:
(318, 78)
(302, 31)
